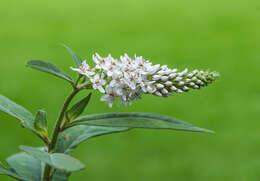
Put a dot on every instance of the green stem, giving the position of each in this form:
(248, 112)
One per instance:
(58, 129)
(60, 119)
(47, 170)
(78, 79)
(46, 174)
(51, 149)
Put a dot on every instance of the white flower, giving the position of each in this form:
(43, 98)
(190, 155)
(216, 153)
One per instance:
(127, 79)
(192, 84)
(181, 83)
(173, 88)
(185, 88)
(172, 75)
(178, 79)
(148, 87)
(160, 86)
(117, 79)
(168, 83)
(131, 79)
(100, 62)
(183, 73)
(109, 96)
(174, 70)
(164, 78)
(157, 93)
(135, 95)
(165, 91)
(151, 89)
(84, 69)
(98, 82)
(157, 77)
(179, 91)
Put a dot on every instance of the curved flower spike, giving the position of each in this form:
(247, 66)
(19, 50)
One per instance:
(127, 79)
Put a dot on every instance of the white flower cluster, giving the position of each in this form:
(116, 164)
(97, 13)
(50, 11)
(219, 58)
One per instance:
(127, 78)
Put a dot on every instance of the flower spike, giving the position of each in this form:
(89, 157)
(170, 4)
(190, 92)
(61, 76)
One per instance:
(127, 78)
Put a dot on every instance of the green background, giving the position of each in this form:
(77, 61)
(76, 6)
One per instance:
(222, 35)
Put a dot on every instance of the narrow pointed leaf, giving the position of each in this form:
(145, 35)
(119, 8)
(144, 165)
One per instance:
(56, 160)
(17, 111)
(137, 120)
(72, 137)
(11, 173)
(24, 116)
(78, 108)
(48, 68)
(26, 166)
(76, 58)
(40, 123)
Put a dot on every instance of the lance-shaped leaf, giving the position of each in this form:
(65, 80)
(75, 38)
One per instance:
(72, 137)
(11, 173)
(40, 123)
(137, 120)
(56, 160)
(17, 111)
(76, 58)
(26, 166)
(78, 108)
(49, 68)
(24, 116)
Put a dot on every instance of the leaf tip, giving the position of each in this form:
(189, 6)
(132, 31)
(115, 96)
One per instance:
(206, 130)
(22, 147)
(26, 63)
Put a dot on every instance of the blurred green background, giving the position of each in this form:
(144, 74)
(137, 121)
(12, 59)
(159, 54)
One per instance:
(222, 35)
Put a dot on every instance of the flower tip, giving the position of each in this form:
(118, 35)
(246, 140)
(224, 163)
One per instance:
(216, 74)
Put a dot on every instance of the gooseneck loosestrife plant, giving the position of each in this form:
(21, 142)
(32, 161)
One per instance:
(123, 80)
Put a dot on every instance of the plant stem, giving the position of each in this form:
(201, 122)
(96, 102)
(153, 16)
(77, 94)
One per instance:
(60, 119)
(51, 149)
(78, 79)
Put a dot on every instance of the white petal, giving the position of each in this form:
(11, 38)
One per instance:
(110, 104)
(104, 97)
(101, 89)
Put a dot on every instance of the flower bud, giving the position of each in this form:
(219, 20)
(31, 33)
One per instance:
(164, 78)
(160, 86)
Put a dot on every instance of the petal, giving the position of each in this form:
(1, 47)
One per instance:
(96, 77)
(112, 83)
(101, 89)
(110, 104)
(104, 97)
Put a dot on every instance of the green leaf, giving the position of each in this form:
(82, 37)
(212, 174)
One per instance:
(49, 68)
(61, 176)
(31, 168)
(11, 173)
(72, 137)
(56, 160)
(78, 108)
(136, 120)
(26, 166)
(24, 116)
(76, 58)
(40, 123)
(17, 111)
